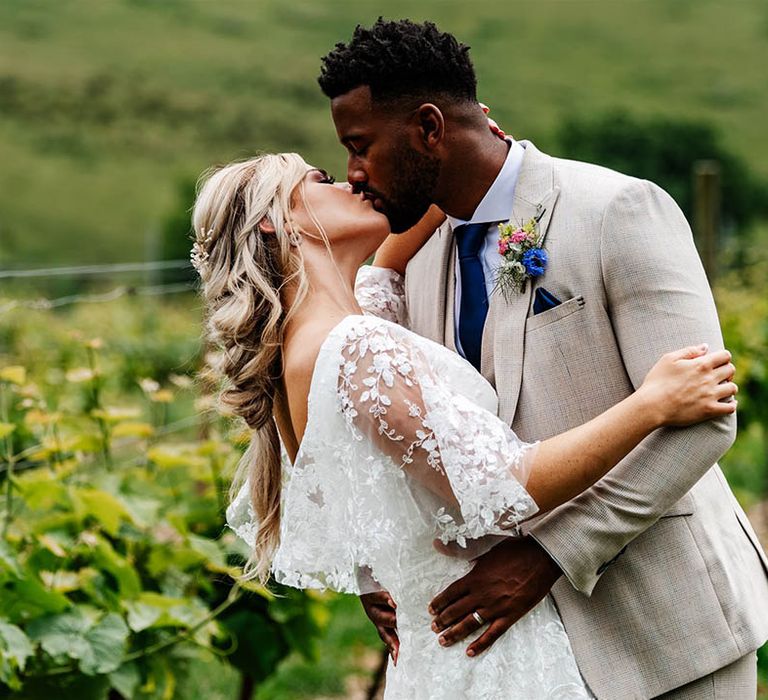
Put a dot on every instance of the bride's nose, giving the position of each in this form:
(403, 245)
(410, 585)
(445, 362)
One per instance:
(344, 186)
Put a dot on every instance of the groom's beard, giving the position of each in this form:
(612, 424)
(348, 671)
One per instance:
(412, 188)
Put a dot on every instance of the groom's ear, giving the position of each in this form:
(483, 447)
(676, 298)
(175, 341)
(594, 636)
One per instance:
(431, 125)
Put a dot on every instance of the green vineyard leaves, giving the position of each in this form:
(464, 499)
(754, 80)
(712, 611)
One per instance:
(116, 569)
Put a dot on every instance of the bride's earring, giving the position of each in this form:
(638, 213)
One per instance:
(294, 239)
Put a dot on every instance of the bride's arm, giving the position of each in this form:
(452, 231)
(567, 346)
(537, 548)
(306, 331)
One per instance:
(683, 388)
(380, 287)
(471, 460)
(399, 248)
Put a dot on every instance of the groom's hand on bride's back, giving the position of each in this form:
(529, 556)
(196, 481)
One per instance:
(505, 583)
(380, 609)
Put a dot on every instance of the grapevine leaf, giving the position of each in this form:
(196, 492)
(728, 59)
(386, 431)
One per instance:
(125, 680)
(133, 429)
(15, 649)
(105, 557)
(41, 492)
(63, 635)
(15, 374)
(107, 645)
(157, 610)
(148, 609)
(8, 559)
(102, 506)
(26, 597)
(208, 549)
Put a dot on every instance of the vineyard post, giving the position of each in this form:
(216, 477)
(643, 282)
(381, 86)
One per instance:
(706, 213)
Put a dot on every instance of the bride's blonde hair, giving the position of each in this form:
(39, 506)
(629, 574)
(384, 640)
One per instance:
(243, 273)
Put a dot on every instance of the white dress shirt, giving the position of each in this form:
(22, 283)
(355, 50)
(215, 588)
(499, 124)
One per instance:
(496, 206)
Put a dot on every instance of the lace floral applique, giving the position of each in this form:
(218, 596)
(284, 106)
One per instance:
(387, 362)
(381, 292)
(388, 393)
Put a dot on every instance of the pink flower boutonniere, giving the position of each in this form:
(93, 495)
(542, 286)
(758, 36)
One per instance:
(524, 258)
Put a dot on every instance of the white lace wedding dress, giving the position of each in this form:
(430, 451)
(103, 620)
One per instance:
(402, 447)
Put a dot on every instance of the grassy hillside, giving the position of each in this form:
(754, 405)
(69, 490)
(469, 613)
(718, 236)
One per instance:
(105, 105)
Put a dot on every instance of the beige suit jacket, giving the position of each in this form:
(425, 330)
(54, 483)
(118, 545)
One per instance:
(665, 581)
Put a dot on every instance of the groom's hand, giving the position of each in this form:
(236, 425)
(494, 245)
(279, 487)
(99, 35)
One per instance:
(380, 609)
(505, 583)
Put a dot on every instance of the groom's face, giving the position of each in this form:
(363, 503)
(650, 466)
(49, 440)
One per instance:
(384, 159)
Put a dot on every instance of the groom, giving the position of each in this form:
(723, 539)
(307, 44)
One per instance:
(656, 572)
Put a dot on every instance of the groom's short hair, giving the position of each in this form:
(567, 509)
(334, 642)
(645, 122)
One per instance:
(400, 59)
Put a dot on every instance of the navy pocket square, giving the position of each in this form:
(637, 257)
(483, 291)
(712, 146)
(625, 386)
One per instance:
(544, 301)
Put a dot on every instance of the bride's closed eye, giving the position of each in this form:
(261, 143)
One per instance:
(325, 178)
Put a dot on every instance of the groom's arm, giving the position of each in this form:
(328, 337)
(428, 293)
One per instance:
(658, 300)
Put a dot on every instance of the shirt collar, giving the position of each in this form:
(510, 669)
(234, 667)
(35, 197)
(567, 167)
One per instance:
(496, 205)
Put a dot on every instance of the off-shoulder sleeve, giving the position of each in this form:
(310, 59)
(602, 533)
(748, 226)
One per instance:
(240, 515)
(381, 292)
(469, 460)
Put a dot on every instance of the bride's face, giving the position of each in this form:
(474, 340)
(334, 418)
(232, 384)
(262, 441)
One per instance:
(349, 220)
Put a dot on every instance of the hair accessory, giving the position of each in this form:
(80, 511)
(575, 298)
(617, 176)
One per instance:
(199, 255)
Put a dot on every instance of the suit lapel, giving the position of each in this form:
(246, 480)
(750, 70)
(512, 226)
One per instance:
(450, 299)
(427, 303)
(504, 333)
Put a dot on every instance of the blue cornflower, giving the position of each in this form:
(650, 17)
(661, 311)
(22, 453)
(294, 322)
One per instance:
(535, 261)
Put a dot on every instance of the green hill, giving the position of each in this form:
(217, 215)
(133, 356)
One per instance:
(106, 105)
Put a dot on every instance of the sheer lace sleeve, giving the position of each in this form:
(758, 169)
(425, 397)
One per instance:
(381, 292)
(469, 461)
(240, 515)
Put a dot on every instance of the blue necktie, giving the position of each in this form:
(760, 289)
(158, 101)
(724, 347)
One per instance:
(474, 300)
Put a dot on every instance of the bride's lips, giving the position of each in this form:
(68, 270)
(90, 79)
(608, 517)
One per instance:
(377, 203)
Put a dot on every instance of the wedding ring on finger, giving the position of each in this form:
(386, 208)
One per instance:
(478, 618)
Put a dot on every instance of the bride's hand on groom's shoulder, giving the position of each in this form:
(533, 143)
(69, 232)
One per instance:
(398, 248)
(506, 582)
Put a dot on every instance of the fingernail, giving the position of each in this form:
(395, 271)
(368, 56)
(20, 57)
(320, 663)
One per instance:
(470, 652)
(704, 347)
(442, 641)
(431, 610)
(435, 628)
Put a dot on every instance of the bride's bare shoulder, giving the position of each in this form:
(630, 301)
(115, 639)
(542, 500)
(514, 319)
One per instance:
(301, 348)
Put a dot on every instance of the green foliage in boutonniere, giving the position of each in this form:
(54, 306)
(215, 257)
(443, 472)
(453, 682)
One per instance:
(524, 258)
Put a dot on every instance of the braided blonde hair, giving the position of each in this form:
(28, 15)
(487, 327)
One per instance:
(244, 273)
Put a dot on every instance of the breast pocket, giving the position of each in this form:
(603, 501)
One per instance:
(552, 393)
(573, 369)
(555, 314)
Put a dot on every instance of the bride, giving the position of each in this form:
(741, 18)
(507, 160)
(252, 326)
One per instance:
(400, 472)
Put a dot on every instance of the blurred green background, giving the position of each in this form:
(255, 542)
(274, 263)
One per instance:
(106, 105)
(109, 111)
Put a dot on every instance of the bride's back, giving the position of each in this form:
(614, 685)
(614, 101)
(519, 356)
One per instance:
(301, 344)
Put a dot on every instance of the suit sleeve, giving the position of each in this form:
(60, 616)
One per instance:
(658, 299)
